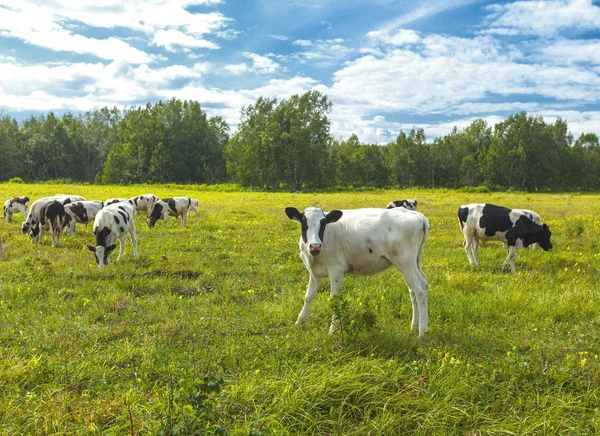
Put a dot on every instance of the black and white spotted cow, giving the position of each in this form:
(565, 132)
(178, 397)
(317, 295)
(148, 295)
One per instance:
(364, 242)
(52, 217)
(406, 204)
(14, 205)
(194, 207)
(117, 200)
(489, 222)
(143, 203)
(113, 222)
(80, 212)
(31, 224)
(162, 209)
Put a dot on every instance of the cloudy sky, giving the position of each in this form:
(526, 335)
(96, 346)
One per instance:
(387, 65)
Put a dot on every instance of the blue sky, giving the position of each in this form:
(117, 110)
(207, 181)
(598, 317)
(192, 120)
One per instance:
(386, 65)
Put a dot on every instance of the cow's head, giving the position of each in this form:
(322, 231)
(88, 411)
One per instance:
(543, 238)
(102, 250)
(313, 222)
(155, 215)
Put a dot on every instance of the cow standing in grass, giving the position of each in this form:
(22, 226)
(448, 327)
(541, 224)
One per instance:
(52, 217)
(163, 209)
(111, 223)
(31, 225)
(14, 205)
(143, 203)
(490, 222)
(80, 212)
(364, 242)
(406, 204)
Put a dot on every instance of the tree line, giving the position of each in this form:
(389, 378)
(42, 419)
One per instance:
(287, 145)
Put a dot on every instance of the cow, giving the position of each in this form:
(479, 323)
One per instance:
(14, 205)
(490, 222)
(529, 214)
(82, 212)
(194, 207)
(166, 207)
(117, 200)
(52, 216)
(143, 202)
(69, 198)
(31, 224)
(406, 204)
(364, 242)
(113, 222)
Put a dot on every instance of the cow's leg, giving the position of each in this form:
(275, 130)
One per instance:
(336, 280)
(468, 241)
(122, 241)
(134, 242)
(418, 288)
(184, 218)
(311, 291)
(475, 250)
(166, 222)
(512, 253)
(196, 211)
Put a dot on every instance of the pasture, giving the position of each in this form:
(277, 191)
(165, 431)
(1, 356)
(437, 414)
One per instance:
(197, 335)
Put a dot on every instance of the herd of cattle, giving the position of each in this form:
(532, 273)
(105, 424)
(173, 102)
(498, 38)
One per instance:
(362, 241)
(113, 219)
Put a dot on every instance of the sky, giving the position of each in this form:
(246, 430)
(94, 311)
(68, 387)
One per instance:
(386, 65)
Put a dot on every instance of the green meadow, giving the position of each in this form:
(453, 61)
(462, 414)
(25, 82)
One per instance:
(197, 335)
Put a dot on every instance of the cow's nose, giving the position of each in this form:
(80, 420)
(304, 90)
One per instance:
(314, 248)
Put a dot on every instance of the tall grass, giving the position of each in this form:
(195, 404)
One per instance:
(197, 335)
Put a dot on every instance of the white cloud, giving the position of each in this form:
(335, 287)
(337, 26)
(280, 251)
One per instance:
(320, 52)
(262, 64)
(302, 42)
(398, 37)
(566, 51)
(544, 18)
(237, 69)
(170, 38)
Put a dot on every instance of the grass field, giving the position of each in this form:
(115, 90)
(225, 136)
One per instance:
(197, 335)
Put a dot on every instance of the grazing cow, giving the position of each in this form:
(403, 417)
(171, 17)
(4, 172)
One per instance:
(143, 202)
(365, 242)
(52, 217)
(66, 199)
(15, 205)
(194, 207)
(166, 207)
(529, 214)
(82, 212)
(489, 222)
(406, 204)
(111, 223)
(31, 223)
(117, 200)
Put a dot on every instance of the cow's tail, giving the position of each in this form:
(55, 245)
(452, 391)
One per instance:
(425, 230)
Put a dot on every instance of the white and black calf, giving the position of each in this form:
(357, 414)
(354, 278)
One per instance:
(406, 204)
(15, 205)
(194, 207)
(143, 203)
(80, 212)
(31, 225)
(111, 223)
(364, 242)
(52, 218)
(489, 222)
(162, 209)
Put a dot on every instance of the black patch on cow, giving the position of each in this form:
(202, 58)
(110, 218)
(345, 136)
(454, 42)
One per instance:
(80, 212)
(135, 200)
(370, 250)
(171, 203)
(53, 212)
(67, 201)
(123, 215)
(116, 218)
(156, 212)
(101, 236)
(122, 229)
(463, 213)
(496, 219)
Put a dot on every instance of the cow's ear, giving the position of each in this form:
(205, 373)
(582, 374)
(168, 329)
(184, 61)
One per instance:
(110, 248)
(293, 214)
(333, 216)
(89, 247)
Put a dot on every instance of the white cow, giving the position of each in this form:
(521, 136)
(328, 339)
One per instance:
(15, 205)
(31, 223)
(194, 207)
(52, 218)
(365, 242)
(162, 209)
(143, 202)
(113, 222)
(80, 212)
